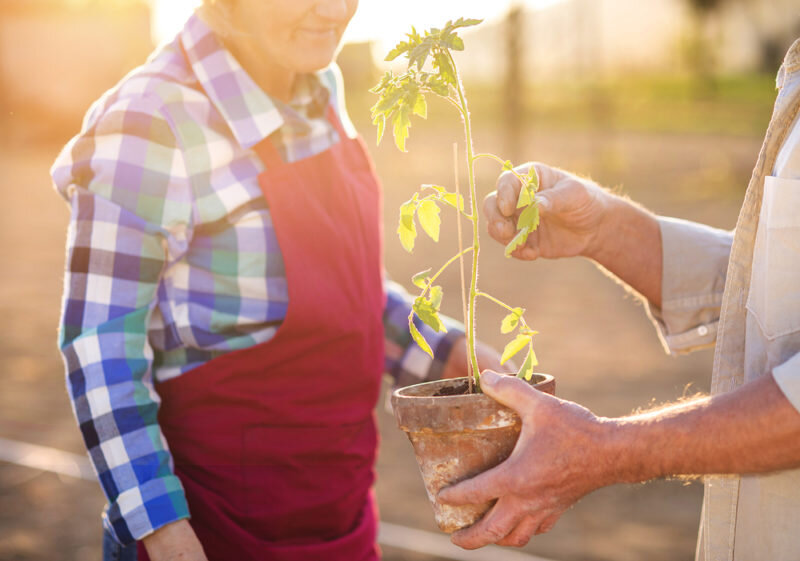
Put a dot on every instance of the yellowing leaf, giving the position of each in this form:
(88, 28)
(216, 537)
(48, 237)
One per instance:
(529, 218)
(417, 336)
(515, 346)
(511, 321)
(517, 241)
(421, 279)
(524, 198)
(407, 230)
(401, 124)
(533, 179)
(436, 297)
(526, 370)
(421, 107)
(508, 166)
(429, 314)
(428, 213)
(380, 120)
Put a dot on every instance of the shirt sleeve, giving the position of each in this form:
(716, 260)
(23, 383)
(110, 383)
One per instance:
(787, 376)
(694, 268)
(125, 181)
(406, 362)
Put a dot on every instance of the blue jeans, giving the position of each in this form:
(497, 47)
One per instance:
(112, 551)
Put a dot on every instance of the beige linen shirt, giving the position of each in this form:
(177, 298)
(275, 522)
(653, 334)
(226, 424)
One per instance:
(741, 291)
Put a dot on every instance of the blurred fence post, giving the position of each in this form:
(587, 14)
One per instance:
(514, 82)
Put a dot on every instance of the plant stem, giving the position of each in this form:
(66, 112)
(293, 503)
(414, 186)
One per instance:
(503, 305)
(470, 373)
(443, 267)
(473, 290)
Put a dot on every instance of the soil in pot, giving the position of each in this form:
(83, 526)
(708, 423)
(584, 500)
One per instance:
(456, 436)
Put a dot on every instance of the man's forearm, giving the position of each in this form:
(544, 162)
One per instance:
(750, 430)
(629, 246)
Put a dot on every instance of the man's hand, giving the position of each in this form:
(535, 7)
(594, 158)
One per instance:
(571, 211)
(557, 460)
(580, 218)
(174, 542)
(457, 364)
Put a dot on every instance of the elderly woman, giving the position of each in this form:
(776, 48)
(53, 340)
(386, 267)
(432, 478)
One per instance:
(224, 311)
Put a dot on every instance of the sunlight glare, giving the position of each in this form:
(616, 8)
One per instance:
(371, 22)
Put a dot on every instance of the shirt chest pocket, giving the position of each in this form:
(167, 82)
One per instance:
(774, 297)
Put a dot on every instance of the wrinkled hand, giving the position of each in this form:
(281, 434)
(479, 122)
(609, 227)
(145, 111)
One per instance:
(558, 459)
(457, 364)
(571, 212)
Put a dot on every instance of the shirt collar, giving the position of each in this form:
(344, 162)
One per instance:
(249, 112)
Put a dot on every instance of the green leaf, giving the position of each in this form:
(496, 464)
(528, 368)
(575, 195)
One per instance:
(463, 22)
(455, 42)
(406, 229)
(380, 120)
(529, 218)
(446, 70)
(428, 213)
(422, 278)
(524, 198)
(507, 165)
(420, 106)
(515, 346)
(417, 336)
(428, 313)
(446, 196)
(401, 124)
(533, 179)
(435, 298)
(526, 371)
(511, 321)
(518, 240)
(400, 48)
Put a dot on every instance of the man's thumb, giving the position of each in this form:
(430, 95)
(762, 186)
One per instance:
(508, 390)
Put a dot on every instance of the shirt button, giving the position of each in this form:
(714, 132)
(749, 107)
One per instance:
(702, 331)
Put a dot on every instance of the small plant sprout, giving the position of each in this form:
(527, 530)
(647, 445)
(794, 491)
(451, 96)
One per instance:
(432, 70)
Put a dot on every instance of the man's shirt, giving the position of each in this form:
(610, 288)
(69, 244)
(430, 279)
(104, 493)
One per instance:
(173, 259)
(740, 291)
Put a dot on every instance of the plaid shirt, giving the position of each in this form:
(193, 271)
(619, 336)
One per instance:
(173, 259)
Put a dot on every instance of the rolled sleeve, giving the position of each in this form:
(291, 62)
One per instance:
(406, 362)
(694, 267)
(787, 376)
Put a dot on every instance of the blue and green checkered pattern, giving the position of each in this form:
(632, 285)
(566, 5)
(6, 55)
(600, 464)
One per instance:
(173, 259)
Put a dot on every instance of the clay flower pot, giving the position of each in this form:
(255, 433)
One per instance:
(456, 437)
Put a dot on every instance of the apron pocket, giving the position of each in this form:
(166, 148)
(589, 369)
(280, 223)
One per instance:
(774, 297)
(307, 484)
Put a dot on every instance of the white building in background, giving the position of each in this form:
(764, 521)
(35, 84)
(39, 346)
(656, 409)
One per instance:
(597, 37)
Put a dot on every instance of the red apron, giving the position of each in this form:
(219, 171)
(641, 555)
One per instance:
(275, 444)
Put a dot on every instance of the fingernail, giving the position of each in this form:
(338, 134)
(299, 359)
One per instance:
(489, 378)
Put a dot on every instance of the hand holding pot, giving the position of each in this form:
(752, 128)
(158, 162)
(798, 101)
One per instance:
(557, 460)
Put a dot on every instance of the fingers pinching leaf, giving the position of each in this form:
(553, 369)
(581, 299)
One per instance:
(524, 198)
(516, 345)
(428, 213)
(517, 241)
(529, 218)
(511, 321)
(533, 178)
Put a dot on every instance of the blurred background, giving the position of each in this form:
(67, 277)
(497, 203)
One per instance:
(666, 101)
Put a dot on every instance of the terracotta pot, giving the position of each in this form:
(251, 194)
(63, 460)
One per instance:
(456, 437)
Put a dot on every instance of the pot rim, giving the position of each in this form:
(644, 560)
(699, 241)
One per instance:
(401, 393)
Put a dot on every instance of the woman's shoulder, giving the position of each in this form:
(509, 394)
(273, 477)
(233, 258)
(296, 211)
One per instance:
(158, 86)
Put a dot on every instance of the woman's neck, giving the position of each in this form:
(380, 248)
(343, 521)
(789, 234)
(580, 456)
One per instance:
(276, 80)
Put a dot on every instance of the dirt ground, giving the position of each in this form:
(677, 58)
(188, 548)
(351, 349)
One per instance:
(594, 337)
